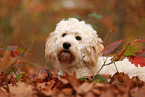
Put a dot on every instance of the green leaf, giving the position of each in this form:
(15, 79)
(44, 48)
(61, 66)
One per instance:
(84, 79)
(22, 50)
(99, 79)
(95, 15)
(20, 76)
(131, 49)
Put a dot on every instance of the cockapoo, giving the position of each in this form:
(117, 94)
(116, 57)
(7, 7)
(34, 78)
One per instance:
(74, 46)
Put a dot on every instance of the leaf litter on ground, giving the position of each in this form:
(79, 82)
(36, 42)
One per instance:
(46, 83)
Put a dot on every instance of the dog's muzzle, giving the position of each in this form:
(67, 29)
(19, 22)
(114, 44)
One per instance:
(65, 57)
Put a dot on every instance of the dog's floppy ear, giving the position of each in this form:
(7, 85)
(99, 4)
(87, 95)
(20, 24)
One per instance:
(93, 52)
(97, 44)
(50, 47)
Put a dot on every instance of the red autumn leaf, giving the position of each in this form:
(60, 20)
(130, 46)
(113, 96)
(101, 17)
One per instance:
(137, 60)
(139, 40)
(14, 53)
(119, 56)
(110, 48)
(141, 54)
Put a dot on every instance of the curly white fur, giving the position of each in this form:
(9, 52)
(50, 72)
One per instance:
(75, 47)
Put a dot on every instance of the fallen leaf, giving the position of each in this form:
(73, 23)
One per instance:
(89, 94)
(14, 53)
(120, 79)
(67, 91)
(3, 92)
(63, 80)
(139, 40)
(6, 62)
(97, 91)
(138, 92)
(82, 89)
(21, 90)
(111, 47)
(141, 54)
(120, 54)
(99, 79)
(131, 49)
(137, 60)
(137, 82)
(108, 93)
(72, 79)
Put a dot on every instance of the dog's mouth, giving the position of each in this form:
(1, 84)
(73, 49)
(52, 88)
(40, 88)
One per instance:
(66, 51)
(65, 57)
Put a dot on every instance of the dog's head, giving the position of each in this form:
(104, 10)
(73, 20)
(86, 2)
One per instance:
(73, 41)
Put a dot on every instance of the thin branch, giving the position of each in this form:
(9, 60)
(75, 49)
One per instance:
(102, 67)
(107, 36)
(116, 67)
(11, 64)
(48, 73)
(21, 57)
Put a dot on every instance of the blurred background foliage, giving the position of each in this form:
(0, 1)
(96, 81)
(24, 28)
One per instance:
(30, 21)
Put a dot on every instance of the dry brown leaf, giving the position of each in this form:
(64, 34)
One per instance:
(137, 82)
(72, 80)
(42, 86)
(85, 87)
(67, 91)
(21, 90)
(101, 85)
(4, 60)
(7, 61)
(108, 93)
(3, 92)
(48, 93)
(97, 91)
(63, 80)
(138, 92)
(120, 79)
(89, 94)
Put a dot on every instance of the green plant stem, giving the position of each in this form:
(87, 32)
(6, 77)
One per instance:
(116, 67)
(102, 68)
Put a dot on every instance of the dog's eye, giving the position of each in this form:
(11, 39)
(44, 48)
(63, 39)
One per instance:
(63, 34)
(78, 38)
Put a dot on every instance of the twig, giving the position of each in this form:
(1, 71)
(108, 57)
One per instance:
(19, 57)
(38, 71)
(11, 64)
(48, 73)
(116, 67)
(107, 35)
(122, 52)
(102, 67)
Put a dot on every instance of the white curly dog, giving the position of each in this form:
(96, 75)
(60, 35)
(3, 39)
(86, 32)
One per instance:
(74, 46)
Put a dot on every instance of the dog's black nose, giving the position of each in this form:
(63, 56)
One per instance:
(66, 45)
